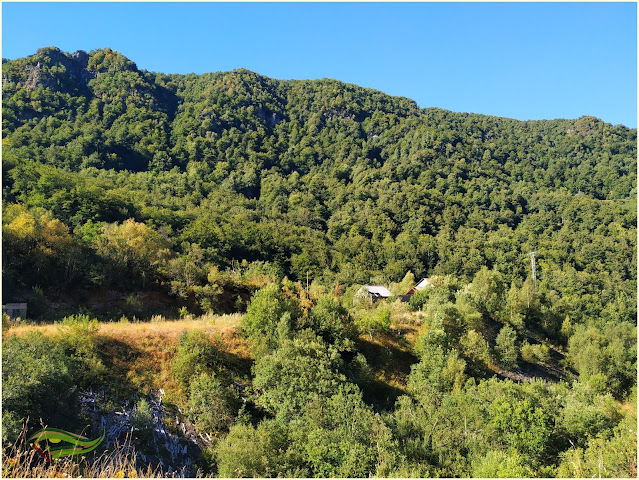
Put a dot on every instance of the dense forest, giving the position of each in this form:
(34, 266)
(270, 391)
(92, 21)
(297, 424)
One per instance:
(231, 192)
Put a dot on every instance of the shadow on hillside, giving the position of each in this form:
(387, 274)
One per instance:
(235, 367)
(118, 358)
(390, 362)
(553, 370)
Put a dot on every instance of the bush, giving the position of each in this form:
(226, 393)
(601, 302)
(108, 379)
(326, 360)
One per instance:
(487, 290)
(612, 457)
(295, 370)
(586, 413)
(142, 420)
(329, 319)
(475, 347)
(340, 436)
(537, 353)
(506, 348)
(359, 371)
(373, 322)
(11, 426)
(134, 306)
(37, 381)
(498, 464)
(419, 298)
(210, 404)
(6, 322)
(255, 452)
(610, 352)
(195, 354)
(523, 425)
(78, 336)
(263, 314)
(437, 373)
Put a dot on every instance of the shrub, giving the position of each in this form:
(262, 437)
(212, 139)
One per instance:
(537, 353)
(506, 348)
(263, 314)
(264, 311)
(210, 404)
(373, 322)
(134, 306)
(498, 464)
(37, 382)
(260, 451)
(340, 436)
(195, 354)
(359, 371)
(419, 298)
(6, 322)
(586, 413)
(295, 370)
(610, 352)
(78, 337)
(142, 420)
(329, 319)
(613, 457)
(362, 299)
(475, 347)
(523, 425)
(11, 426)
(437, 373)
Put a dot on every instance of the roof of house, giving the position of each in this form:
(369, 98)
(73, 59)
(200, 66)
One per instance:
(14, 306)
(378, 291)
(424, 282)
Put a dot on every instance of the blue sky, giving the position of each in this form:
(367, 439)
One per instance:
(518, 60)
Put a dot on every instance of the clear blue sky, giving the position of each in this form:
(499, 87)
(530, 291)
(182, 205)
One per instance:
(518, 60)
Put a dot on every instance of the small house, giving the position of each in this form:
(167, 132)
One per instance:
(423, 283)
(377, 292)
(15, 310)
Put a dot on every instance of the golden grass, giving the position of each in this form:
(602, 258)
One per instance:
(20, 461)
(135, 332)
(143, 351)
(629, 407)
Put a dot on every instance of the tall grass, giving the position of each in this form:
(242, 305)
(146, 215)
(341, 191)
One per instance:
(21, 461)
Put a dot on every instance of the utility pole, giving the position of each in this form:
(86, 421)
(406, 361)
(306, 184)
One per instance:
(534, 269)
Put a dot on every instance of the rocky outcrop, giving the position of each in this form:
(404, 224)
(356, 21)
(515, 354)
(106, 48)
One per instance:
(172, 441)
(59, 71)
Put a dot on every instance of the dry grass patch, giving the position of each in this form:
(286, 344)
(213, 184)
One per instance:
(135, 332)
(142, 352)
(20, 461)
(155, 343)
(48, 330)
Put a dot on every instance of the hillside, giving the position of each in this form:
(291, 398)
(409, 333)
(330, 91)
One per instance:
(298, 178)
(130, 194)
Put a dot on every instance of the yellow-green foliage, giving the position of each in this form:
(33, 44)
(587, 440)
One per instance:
(373, 322)
(77, 333)
(195, 354)
(537, 353)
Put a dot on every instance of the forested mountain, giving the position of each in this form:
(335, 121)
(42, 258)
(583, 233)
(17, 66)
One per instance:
(206, 188)
(318, 176)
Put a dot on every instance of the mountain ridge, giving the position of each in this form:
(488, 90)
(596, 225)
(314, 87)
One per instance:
(316, 176)
(80, 58)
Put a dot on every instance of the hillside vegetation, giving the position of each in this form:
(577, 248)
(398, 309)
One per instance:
(128, 195)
